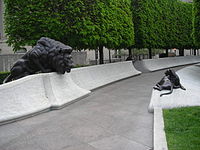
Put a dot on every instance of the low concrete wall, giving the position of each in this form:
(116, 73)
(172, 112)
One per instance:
(7, 60)
(61, 90)
(35, 93)
(159, 136)
(163, 63)
(96, 76)
(41, 92)
(22, 97)
(190, 79)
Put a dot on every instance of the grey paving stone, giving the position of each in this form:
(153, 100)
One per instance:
(117, 143)
(80, 147)
(44, 137)
(87, 131)
(135, 135)
(10, 132)
(23, 145)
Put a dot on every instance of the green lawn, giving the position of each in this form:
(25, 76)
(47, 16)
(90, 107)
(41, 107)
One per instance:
(182, 127)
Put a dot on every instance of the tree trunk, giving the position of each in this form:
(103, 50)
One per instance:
(181, 51)
(166, 51)
(101, 55)
(109, 56)
(96, 56)
(150, 53)
(195, 52)
(119, 54)
(115, 53)
(129, 53)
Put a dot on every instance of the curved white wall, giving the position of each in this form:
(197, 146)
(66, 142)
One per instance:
(96, 76)
(22, 97)
(35, 93)
(62, 90)
(162, 63)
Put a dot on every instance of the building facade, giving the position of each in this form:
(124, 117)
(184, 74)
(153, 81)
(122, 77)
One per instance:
(1, 20)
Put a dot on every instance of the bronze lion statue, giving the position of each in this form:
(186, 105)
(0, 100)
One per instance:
(169, 82)
(47, 56)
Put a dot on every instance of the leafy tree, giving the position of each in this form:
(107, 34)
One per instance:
(196, 22)
(82, 24)
(162, 24)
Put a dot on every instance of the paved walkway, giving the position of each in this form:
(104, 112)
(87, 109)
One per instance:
(114, 117)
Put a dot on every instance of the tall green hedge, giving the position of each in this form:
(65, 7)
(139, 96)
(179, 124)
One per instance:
(196, 22)
(79, 23)
(183, 26)
(116, 23)
(27, 21)
(162, 23)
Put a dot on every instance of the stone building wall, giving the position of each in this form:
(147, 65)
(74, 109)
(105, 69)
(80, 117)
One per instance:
(7, 60)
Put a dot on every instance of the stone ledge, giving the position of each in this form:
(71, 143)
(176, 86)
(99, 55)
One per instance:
(163, 63)
(35, 93)
(94, 77)
(42, 92)
(160, 142)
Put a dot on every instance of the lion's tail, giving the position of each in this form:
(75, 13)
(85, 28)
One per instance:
(171, 90)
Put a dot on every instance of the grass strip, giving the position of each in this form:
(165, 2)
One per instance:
(182, 127)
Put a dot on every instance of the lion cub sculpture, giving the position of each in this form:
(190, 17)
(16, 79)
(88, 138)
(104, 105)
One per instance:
(46, 56)
(169, 82)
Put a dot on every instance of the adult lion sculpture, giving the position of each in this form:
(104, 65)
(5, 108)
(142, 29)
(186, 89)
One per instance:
(47, 56)
(169, 82)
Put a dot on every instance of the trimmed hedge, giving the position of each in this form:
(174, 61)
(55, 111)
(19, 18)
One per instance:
(183, 26)
(92, 24)
(162, 23)
(3, 75)
(81, 24)
(196, 22)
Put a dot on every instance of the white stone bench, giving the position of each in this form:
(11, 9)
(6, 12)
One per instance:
(42, 92)
(61, 90)
(163, 63)
(23, 97)
(190, 79)
(36, 93)
(96, 76)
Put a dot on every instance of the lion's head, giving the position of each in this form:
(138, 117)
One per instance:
(59, 54)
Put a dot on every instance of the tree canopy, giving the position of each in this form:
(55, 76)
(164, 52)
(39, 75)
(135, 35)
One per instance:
(196, 22)
(162, 23)
(81, 24)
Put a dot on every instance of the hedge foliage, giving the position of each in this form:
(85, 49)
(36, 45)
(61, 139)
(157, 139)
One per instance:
(196, 22)
(79, 23)
(184, 25)
(3, 75)
(162, 23)
(91, 24)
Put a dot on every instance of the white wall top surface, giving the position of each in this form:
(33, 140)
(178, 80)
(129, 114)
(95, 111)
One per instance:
(64, 90)
(162, 63)
(35, 93)
(22, 97)
(96, 76)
